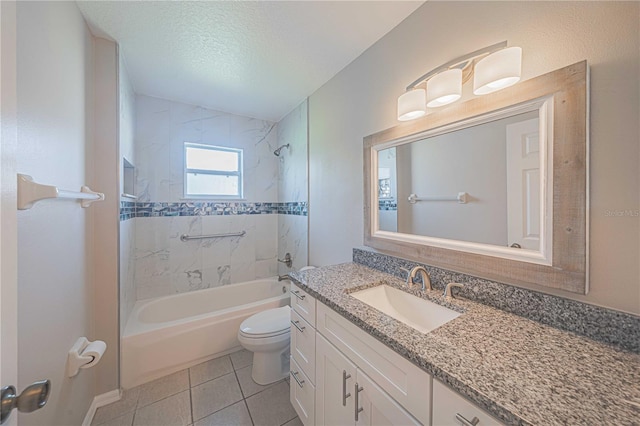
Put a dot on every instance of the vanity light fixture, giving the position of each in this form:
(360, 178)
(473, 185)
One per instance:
(411, 105)
(493, 68)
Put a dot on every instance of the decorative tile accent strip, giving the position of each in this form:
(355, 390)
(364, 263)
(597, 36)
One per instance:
(127, 210)
(130, 210)
(387, 205)
(604, 325)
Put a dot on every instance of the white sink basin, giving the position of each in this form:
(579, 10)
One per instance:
(415, 312)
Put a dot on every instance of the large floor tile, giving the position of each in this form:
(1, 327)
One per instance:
(126, 420)
(172, 411)
(272, 406)
(241, 359)
(210, 370)
(294, 422)
(247, 385)
(236, 414)
(126, 404)
(215, 395)
(163, 387)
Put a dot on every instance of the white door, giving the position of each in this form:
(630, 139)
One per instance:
(523, 184)
(8, 214)
(335, 381)
(377, 408)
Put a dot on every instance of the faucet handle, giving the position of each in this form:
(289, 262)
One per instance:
(408, 272)
(448, 290)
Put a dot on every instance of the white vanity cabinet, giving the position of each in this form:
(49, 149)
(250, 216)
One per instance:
(347, 396)
(302, 389)
(396, 390)
(451, 409)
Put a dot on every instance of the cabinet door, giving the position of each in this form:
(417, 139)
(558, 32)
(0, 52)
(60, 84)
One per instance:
(378, 408)
(335, 379)
(450, 409)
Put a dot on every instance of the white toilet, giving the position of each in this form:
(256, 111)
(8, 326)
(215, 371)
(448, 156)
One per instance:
(267, 334)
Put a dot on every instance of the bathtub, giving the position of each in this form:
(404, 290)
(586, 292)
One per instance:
(170, 333)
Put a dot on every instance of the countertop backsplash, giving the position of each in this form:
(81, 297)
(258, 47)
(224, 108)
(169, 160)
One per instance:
(608, 326)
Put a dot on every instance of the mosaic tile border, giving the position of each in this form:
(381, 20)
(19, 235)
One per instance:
(129, 209)
(615, 328)
(387, 205)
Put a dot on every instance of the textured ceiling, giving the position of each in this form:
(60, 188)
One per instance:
(258, 58)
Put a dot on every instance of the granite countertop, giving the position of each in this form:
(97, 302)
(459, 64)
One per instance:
(520, 371)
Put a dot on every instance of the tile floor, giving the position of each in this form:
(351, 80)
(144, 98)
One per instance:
(217, 392)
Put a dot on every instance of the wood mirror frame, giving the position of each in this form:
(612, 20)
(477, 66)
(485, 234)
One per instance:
(568, 271)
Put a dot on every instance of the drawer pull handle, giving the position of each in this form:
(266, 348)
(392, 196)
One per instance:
(474, 421)
(295, 324)
(295, 377)
(297, 294)
(358, 409)
(345, 395)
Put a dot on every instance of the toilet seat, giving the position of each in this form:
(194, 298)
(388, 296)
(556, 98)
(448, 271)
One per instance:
(269, 323)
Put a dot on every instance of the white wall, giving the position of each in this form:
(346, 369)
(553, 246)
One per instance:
(292, 186)
(361, 100)
(55, 104)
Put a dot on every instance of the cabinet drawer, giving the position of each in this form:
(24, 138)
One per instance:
(303, 304)
(447, 404)
(406, 383)
(302, 394)
(303, 345)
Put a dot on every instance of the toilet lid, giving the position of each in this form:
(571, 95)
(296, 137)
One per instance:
(270, 322)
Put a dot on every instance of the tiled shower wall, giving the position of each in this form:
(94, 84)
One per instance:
(163, 263)
(292, 186)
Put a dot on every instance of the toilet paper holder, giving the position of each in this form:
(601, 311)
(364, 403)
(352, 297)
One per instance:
(84, 354)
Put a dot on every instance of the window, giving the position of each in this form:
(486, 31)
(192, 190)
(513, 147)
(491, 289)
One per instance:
(212, 171)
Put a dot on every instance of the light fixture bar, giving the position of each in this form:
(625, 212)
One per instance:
(466, 58)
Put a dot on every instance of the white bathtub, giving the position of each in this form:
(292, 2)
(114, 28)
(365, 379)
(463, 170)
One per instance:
(170, 333)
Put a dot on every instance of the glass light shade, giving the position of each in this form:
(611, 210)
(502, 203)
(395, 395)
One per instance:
(499, 70)
(444, 88)
(411, 105)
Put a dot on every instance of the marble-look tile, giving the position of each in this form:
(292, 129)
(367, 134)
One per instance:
(172, 411)
(163, 387)
(215, 395)
(236, 414)
(210, 370)
(266, 237)
(266, 268)
(217, 275)
(241, 359)
(247, 385)
(243, 271)
(271, 407)
(126, 420)
(127, 403)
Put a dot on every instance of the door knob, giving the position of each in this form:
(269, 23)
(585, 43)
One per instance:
(32, 398)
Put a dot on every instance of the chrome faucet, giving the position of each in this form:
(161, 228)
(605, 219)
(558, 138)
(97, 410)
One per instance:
(426, 280)
(284, 277)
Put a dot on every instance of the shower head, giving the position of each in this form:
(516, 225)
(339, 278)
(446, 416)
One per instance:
(277, 151)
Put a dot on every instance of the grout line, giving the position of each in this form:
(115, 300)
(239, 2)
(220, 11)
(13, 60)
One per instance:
(190, 394)
(243, 398)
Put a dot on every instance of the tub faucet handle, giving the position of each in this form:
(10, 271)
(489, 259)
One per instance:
(288, 260)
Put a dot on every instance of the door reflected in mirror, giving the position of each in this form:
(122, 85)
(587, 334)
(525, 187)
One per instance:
(496, 163)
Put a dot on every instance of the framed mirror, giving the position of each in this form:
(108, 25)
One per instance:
(495, 187)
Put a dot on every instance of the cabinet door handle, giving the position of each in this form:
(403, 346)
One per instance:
(358, 410)
(295, 324)
(295, 377)
(296, 293)
(474, 421)
(345, 395)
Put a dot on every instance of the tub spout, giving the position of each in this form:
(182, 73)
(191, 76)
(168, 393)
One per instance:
(284, 277)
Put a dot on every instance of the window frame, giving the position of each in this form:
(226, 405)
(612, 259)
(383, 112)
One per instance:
(239, 173)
